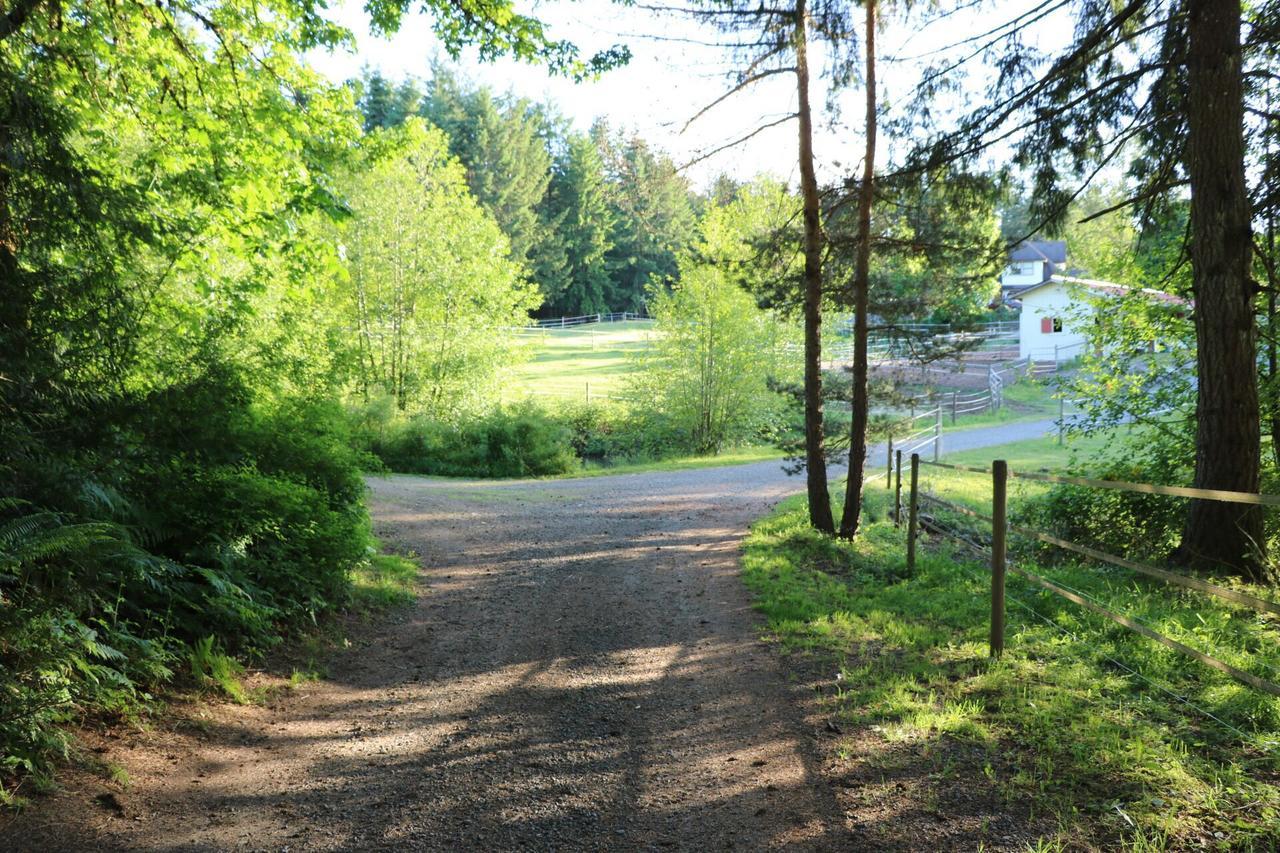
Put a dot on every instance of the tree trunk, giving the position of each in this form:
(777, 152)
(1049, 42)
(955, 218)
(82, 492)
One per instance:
(1273, 355)
(861, 288)
(1228, 431)
(815, 453)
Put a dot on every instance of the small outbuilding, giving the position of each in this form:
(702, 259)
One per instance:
(1055, 317)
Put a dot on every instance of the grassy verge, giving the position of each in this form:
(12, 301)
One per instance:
(384, 582)
(1061, 726)
(1025, 401)
(733, 456)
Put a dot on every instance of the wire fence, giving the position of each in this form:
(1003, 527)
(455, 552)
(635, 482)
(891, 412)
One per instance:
(993, 546)
(587, 394)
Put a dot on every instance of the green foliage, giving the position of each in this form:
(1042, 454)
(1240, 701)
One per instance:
(214, 668)
(708, 370)
(178, 479)
(710, 365)
(431, 289)
(383, 104)
(582, 283)
(613, 435)
(592, 219)
(1129, 524)
(1139, 363)
(517, 441)
(502, 144)
(495, 29)
(168, 472)
(653, 216)
(935, 254)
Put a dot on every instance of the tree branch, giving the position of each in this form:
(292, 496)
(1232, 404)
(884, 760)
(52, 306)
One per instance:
(742, 84)
(12, 21)
(759, 130)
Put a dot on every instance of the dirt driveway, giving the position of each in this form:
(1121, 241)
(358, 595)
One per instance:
(581, 672)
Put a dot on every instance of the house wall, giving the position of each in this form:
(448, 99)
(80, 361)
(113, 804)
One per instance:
(1022, 274)
(1048, 302)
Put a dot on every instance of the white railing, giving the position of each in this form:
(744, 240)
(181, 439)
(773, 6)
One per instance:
(585, 319)
(883, 348)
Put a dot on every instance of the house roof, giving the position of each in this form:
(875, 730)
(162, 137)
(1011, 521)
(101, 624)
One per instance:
(1103, 287)
(1040, 250)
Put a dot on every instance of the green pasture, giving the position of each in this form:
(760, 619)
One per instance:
(564, 363)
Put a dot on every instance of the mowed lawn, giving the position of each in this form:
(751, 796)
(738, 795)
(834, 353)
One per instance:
(564, 363)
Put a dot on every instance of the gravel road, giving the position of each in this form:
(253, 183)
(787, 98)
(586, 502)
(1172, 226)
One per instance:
(581, 672)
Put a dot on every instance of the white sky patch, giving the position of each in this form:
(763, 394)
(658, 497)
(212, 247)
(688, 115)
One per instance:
(671, 77)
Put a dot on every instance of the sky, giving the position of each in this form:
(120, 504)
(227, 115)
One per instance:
(668, 80)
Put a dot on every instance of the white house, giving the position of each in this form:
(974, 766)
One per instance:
(1033, 262)
(1056, 313)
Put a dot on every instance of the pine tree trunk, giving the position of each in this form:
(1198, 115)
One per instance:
(1228, 453)
(815, 453)
(861, 289)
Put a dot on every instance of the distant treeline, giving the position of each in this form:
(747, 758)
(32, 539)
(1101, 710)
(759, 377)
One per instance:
(591, 216)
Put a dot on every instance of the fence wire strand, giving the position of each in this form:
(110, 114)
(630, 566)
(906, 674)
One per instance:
(1076, 638)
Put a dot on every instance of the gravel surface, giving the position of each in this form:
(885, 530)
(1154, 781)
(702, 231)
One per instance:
(581, 672)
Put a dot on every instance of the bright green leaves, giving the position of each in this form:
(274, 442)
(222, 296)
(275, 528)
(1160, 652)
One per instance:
(710, 364)
(431, 285)
(495, 29)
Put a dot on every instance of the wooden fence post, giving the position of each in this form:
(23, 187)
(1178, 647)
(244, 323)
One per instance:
(897, 494)
(913, 513)
(888, 466)
(999, 529)
(953, 407)
(937, 435)
(1062, 419)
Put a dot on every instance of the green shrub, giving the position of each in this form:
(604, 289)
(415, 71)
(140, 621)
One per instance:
(162, 527)
(518, 441)
(1129, 524)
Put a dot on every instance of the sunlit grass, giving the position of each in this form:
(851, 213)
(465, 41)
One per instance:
(385, 581)
(732, 456)
(1120, 762)
(566, 363)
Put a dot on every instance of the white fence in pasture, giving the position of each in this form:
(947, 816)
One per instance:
(585, 319)
(906, 341)
(981, 367)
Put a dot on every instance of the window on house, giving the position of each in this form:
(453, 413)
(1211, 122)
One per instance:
(1049, 325)
(1057, 324)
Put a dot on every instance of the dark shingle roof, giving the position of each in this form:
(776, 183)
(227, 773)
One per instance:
(1040, 250)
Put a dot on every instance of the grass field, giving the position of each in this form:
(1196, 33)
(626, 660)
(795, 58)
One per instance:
(564, 363)
(1096, 737)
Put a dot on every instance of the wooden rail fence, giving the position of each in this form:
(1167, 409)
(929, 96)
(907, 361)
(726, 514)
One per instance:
(996, 551)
